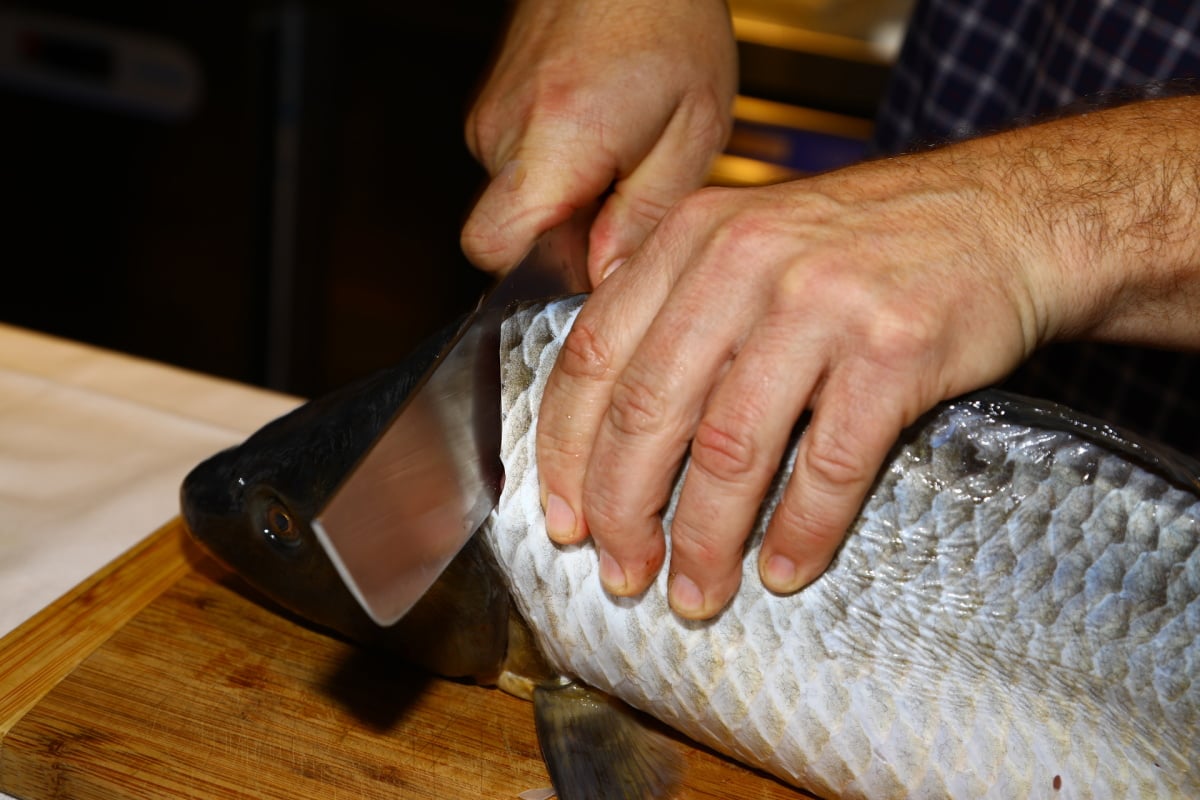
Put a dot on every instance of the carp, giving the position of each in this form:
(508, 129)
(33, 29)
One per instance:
(1015, 612)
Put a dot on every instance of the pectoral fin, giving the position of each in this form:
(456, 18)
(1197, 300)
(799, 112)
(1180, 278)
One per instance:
(595, 747)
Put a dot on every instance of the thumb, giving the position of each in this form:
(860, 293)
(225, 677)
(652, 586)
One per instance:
(528, 196)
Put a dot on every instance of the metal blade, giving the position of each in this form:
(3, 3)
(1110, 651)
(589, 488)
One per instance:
(434, 474)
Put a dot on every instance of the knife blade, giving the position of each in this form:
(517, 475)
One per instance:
(433, 475)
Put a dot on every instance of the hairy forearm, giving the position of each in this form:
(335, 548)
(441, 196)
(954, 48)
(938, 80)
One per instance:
(1115, 195)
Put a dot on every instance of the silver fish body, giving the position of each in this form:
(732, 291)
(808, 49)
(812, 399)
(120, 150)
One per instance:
(1015, 613)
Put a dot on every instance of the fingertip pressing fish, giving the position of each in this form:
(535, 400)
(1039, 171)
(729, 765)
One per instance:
(1014, 613)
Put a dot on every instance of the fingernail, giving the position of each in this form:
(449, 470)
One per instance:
(560, 519)
(511, 176)
(611, 574)
(779, 574)
(686, 597)
(612, 267)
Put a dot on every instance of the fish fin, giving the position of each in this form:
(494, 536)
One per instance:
(536, 794)
(596, 748)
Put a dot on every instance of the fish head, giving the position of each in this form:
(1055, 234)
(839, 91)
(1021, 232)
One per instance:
(252, 506)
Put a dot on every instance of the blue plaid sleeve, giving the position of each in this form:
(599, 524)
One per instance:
(971, 66)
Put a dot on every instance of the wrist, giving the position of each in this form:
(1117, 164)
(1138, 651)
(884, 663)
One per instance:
(1111, 201)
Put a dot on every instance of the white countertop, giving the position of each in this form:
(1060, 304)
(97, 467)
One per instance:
(93, 447)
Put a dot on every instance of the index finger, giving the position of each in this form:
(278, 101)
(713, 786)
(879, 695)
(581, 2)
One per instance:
(604, 336)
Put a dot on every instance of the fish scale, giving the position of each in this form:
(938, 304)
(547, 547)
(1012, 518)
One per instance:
(1015, 610)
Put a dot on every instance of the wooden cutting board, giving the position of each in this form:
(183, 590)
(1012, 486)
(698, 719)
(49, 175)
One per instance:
(163, 677)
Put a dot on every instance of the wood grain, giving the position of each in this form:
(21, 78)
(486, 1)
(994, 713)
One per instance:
(208, 694)
(47, 647)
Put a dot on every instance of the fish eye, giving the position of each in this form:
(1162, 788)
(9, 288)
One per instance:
(278, 526)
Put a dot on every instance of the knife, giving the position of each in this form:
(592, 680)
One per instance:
(432, 477)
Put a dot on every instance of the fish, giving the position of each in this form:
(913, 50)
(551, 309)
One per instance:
(1015, 611)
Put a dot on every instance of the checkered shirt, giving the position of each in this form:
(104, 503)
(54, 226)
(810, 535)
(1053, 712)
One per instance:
(973, 66)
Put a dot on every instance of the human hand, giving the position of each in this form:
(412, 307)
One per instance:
(591, 95)
(866, 295)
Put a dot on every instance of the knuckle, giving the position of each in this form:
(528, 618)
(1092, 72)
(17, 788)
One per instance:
(694, 211)
(744, 223)
(805, 533)
(728, 454)
(737, 231)
(632, 535)
(649, 208)
(586, 353)
(804, 528)
(555, 93)
(559, 448)
(701, 547)
(747, 235)
(791, 519)
(824, 280)
(833, 461)
(900, 333)
(605, 518)
(796, 290)
(909, 342)
(638, 406)
(883, 325)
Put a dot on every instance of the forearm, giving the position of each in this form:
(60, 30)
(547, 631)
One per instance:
(1115, 197)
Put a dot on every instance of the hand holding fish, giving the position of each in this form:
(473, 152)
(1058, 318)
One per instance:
(557, 127)
(985, 631)
(867, 296)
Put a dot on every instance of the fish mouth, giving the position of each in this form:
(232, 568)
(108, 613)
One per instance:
(206, 492)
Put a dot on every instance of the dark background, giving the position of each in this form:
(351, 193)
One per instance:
(298, 225)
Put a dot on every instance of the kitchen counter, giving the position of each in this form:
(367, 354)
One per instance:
(93, 447)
